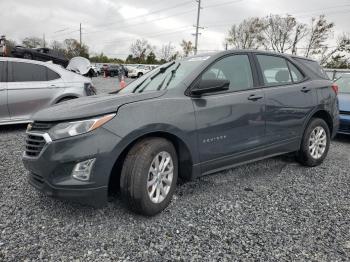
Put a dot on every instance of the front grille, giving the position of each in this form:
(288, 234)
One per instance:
(34, 144)
(41, 126)
(344, 112)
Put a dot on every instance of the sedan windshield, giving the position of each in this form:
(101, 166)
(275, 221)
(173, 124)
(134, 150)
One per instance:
(164, 77)
(344, 84)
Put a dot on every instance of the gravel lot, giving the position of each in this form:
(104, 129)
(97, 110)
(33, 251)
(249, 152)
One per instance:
(270, 210)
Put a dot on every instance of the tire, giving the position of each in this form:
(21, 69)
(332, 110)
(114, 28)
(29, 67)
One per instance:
(139, 75)
(308, 154)
(27, 56)
(136, 174)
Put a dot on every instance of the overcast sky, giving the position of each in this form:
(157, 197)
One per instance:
(110, 26)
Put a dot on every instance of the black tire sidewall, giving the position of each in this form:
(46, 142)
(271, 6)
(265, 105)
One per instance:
(137, 184)
(305, 155)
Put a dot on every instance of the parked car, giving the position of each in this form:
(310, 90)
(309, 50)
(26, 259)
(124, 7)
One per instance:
(40, 54)
(27, 86)
(188, 118)
(140, 71)
(344, 103)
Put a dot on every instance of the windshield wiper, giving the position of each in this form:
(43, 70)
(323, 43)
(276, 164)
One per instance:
(170, 79)
(162, 70)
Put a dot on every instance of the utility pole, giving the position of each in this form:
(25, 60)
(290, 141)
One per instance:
(197, 27)
(80, 35)
(44, 40)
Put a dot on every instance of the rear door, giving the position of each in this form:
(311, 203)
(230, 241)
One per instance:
(4, 113)
(31, 87)
(230, 124)
(289, 100)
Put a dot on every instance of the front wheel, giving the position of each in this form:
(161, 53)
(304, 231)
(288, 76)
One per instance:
(315, 143)
(149, 176)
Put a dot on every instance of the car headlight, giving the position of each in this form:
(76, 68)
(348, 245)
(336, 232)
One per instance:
(69, 129)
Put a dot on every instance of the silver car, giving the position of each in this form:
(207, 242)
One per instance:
(27, 86)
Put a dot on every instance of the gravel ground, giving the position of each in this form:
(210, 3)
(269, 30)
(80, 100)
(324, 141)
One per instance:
(270, 210)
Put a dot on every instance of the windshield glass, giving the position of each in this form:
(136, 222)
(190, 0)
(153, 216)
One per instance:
(344, 84)
(163, 77)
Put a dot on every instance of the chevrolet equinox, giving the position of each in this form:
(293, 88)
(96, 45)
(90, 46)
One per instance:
(187, 118)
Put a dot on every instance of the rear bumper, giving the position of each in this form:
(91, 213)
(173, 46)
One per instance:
(344, 124)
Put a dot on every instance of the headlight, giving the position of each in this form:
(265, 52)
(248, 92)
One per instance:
(69, 129)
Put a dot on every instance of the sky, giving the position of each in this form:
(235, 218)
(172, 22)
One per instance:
(110, 26)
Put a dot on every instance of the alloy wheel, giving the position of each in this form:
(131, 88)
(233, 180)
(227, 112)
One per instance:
(317, 142)
(160, 177)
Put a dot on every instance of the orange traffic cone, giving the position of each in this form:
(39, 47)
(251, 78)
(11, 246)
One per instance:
(122, 83)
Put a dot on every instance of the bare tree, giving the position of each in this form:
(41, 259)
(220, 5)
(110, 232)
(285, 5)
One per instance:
(140, 49)
(279, 32)
(73, 48)
(32, 42)
(166, 52)
(339, 51)
(187, 47)
(300, 33)
(320, 32)
(246, 35)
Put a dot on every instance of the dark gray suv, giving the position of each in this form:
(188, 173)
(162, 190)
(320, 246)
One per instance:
(187, 118)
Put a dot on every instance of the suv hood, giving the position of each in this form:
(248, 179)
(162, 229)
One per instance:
(344, 102)
(90, 106)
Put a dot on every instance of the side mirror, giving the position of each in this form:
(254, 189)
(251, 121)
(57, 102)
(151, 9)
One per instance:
(210, 86)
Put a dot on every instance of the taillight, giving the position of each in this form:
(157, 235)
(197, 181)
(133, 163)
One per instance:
(335, 88)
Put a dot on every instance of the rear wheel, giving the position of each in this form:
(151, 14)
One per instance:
(139, 74)
(315, 143)
(149, 176)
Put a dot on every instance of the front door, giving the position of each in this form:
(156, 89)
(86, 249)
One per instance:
(4, 113)
(230, 124)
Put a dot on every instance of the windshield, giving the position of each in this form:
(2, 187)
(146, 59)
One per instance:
(344, 84)
(166, 76)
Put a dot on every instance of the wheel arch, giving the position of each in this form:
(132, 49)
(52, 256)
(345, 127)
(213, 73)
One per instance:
(182, 149)
(326, 116)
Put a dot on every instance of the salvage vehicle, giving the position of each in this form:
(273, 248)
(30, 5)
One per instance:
(188, 118)
(139, 71)
(27, 86)
(40, 54)
(344, 103)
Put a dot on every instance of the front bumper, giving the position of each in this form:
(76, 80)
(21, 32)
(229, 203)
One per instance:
(344, 124)
(50, 171)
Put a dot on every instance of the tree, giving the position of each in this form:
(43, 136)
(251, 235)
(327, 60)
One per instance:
(283, 33)
(10, 44)
(32, 42)
(140, 50)
(338, 54)
(166, 52)
(151, 58)
(72, 49)
(187, 47)
(320, 32)
(246, 35)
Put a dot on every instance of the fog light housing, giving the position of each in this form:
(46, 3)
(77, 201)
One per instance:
(82, 170)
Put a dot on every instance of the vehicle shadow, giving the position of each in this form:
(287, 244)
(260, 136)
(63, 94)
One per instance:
(342, 138)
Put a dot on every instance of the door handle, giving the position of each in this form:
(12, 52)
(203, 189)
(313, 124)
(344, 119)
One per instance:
(255, 97)
(305, 89)
(53, 86)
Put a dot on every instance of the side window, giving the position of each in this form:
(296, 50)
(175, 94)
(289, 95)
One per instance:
(2, 72)
(295, 72)
(52, 75)
(274, 69)
(235, 68)
(24, 72)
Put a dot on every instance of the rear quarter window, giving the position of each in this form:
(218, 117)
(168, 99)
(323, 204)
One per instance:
(314, 67)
